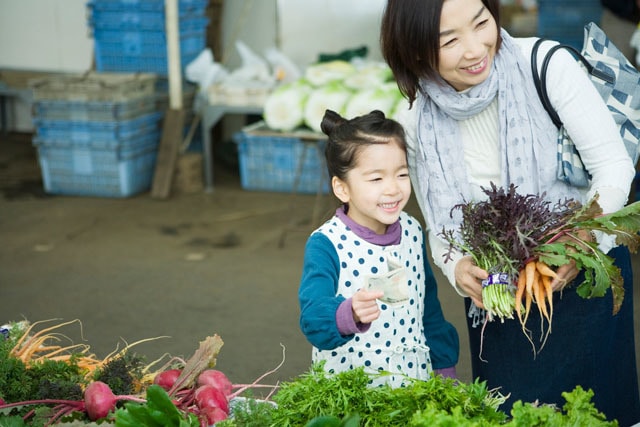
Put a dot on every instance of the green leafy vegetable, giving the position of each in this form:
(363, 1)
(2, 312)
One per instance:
(318, 393)
(507, 230)
(158, 411)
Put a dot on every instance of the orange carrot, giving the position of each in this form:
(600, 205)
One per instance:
(545, 270)
(520, 293)
(546, 282)
(529, 269)
(540, 296)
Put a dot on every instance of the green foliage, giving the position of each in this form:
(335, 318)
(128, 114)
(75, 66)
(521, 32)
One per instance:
(158, 411)
(318, 393)
(333, 421)
(12, 421)
(248, 412)
(121, 373)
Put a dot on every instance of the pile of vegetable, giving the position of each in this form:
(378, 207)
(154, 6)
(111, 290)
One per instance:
(518, 239)
(350, 89)
(42, 383)
(125, 391)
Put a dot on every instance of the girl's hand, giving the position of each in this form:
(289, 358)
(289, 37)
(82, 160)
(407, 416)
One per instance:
(469, 279)
(364, 306)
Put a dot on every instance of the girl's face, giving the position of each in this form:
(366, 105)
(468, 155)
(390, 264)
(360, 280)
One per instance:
(468, 39)
(377, 188)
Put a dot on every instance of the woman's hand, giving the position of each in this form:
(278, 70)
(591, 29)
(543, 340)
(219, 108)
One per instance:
(365, 307)
(566, 273)
(469, 279)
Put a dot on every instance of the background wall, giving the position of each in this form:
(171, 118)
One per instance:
(45, 35)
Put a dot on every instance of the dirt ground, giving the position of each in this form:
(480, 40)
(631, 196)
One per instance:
(176, 270)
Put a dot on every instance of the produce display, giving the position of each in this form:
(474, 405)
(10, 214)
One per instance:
(348, 88)
(518, 238)
(43, 383)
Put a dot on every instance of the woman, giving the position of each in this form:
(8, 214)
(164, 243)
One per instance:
(471, 87)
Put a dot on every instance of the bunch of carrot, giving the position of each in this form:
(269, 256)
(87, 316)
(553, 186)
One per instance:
(38, 346)
(534, 286)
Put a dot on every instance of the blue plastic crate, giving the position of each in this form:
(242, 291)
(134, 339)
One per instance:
(270, 163)
(97, 133)
(184, 6)
(143, 21)
(81, 170)
(158, 64)
(144, 43)
(94, 110)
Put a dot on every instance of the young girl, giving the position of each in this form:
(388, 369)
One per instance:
(368, 296)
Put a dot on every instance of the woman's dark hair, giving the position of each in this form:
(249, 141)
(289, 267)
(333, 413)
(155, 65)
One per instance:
(346, 137)
(410, 40)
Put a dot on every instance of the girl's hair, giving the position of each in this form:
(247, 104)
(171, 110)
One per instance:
(410, 40)
(346, 137)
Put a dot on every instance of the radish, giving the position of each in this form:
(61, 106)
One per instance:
(99, 400)
(207, 396)
(166, 379)
(217, 379)
(213, 415)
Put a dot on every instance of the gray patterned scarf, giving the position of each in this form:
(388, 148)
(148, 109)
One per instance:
(527, 137)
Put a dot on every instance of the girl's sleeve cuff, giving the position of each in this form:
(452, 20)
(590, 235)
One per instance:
(446, 372)
(345, 321)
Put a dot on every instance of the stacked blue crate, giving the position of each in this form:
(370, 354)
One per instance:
(564, 20)
(130, 35)
(97, 134)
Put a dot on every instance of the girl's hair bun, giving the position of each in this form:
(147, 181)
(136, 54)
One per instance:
(330, 121)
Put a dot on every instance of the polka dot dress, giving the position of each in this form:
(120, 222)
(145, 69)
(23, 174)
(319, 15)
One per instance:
(395, 342)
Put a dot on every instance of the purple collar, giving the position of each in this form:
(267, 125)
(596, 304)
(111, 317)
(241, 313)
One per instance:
(391, 237)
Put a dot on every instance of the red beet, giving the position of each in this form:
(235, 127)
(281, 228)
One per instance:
(208, 396)
(217, 379)
(99, 400)
(166, 379)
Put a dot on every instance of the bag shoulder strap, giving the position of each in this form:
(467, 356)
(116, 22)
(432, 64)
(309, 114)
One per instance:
(540, 78)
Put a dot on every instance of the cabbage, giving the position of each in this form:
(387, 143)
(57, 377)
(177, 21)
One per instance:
(383, 98)
(322, 73)
(369, 75)
(332, 96)
(284, 107)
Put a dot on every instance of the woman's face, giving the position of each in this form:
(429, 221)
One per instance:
(468, 39)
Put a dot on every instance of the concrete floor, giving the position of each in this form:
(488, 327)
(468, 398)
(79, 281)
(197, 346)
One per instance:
(185, 268)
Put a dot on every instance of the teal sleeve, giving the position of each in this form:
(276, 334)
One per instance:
(442, 336)
(317, 294)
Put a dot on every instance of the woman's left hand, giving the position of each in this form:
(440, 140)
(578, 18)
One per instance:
(566, 273)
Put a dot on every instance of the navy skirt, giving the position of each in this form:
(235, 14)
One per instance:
(588, 346)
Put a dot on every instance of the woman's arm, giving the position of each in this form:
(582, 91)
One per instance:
(592, 128)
